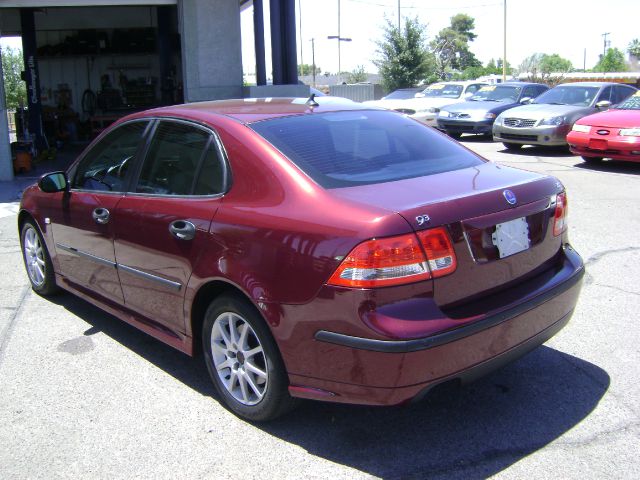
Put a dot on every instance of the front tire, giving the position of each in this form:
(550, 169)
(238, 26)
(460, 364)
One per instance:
(512, 146)
(243, 360)
(37, 260)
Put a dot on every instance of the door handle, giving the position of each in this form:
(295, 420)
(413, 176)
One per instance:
(182, 229)
(101, 215)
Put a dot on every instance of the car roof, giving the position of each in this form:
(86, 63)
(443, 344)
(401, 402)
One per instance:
(457, 82)
(588, 84)
(250, 110)
(518, 84)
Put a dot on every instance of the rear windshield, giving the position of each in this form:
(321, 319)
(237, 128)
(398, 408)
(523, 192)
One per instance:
(344, 149)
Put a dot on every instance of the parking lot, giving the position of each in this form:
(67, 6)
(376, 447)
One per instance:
(85, 395)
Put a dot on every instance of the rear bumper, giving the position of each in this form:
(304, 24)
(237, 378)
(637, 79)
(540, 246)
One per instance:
(396, 371)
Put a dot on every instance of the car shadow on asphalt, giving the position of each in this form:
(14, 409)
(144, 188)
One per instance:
(467, 432)
(533, 151)
(611, 166)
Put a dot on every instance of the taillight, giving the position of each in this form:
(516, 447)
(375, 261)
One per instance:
(439, 250)
(560, 215)
(396, 260)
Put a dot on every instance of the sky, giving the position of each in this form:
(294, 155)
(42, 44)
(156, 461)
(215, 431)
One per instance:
(565, 27)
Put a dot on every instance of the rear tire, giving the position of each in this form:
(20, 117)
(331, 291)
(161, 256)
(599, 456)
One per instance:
(512, 146)
(37, 260)
(243, 360)
(592, 160)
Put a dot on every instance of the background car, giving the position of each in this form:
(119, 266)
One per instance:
(477, 114)
(612, 134)
(425, 106)
(307, 249)
(548, 119)
(394, 99)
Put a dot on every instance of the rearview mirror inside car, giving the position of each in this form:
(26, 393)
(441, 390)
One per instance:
(54, 182)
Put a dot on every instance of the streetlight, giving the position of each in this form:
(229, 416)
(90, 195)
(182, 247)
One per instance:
(340, 39)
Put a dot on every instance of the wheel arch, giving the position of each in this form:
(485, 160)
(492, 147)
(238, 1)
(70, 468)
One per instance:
(213, 289)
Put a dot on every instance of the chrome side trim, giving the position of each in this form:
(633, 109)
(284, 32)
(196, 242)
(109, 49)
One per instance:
(148, 276)
(88, 256)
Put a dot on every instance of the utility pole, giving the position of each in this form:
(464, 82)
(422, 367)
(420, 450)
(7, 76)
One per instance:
(398, 16)
(606, 43)
(584, 61)
(504, 56)
(340, 39)
(313, 60)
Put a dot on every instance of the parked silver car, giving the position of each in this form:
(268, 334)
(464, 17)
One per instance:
(548, 119)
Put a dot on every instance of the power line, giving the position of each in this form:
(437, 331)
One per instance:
(420, 7)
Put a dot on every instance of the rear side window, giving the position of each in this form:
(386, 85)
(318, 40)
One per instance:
(343, 149)
(182, 160)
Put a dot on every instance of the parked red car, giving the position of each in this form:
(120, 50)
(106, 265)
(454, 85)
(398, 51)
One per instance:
(308, 248)
(612, 134)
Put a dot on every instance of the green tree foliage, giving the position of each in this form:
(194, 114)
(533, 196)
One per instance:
(492, 68)
(539, 67)
(451, 46)
(14, 88)
(634, 47)
(306, 69)
(403, 58)
(357, 75)
(613, 61)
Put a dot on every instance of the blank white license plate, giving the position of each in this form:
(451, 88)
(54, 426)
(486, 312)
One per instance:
(511, 237)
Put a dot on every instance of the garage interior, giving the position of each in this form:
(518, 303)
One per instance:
(87, 66)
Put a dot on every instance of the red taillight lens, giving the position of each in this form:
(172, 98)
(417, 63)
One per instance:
(396, 260)
(560, 215)
(437, 245)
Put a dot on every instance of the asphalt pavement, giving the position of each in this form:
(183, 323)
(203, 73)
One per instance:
(85, 395)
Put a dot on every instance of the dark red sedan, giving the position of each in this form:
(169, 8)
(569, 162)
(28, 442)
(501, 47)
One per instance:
(612, 134)
(308, 248)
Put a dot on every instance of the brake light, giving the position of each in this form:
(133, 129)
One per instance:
(439, 250)
(396, 260)
(560, 215)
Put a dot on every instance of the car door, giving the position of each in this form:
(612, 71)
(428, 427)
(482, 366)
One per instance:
(82, 219)
(162, 224)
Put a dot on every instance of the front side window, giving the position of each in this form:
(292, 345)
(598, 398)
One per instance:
(182, 160)
(344, 149)
(106, 165)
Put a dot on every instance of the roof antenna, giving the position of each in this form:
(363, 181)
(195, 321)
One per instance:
(312, 101)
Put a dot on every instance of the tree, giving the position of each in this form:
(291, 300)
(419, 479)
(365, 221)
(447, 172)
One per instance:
(306, 69)
(634, 48)
(14, 88)
(612, 61)
(451, 46)
(357, 75)
(403, 58)
(549, 69)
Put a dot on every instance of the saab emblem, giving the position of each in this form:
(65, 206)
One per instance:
(510, 197)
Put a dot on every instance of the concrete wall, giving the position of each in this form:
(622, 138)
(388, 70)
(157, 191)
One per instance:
(211, 49)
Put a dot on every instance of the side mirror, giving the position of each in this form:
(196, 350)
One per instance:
(419, 95)
(603, 104)
(526, 100)
(54, 182)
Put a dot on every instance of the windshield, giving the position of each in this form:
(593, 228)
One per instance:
(345, 149)
(401, 94)
(631, 103)
(495, 93)
(446, 90)
(569, 95)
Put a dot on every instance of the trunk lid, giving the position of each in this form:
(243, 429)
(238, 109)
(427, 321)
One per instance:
(470, 203)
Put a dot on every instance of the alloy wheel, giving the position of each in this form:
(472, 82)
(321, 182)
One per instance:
(34, 257)
(239, 359)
